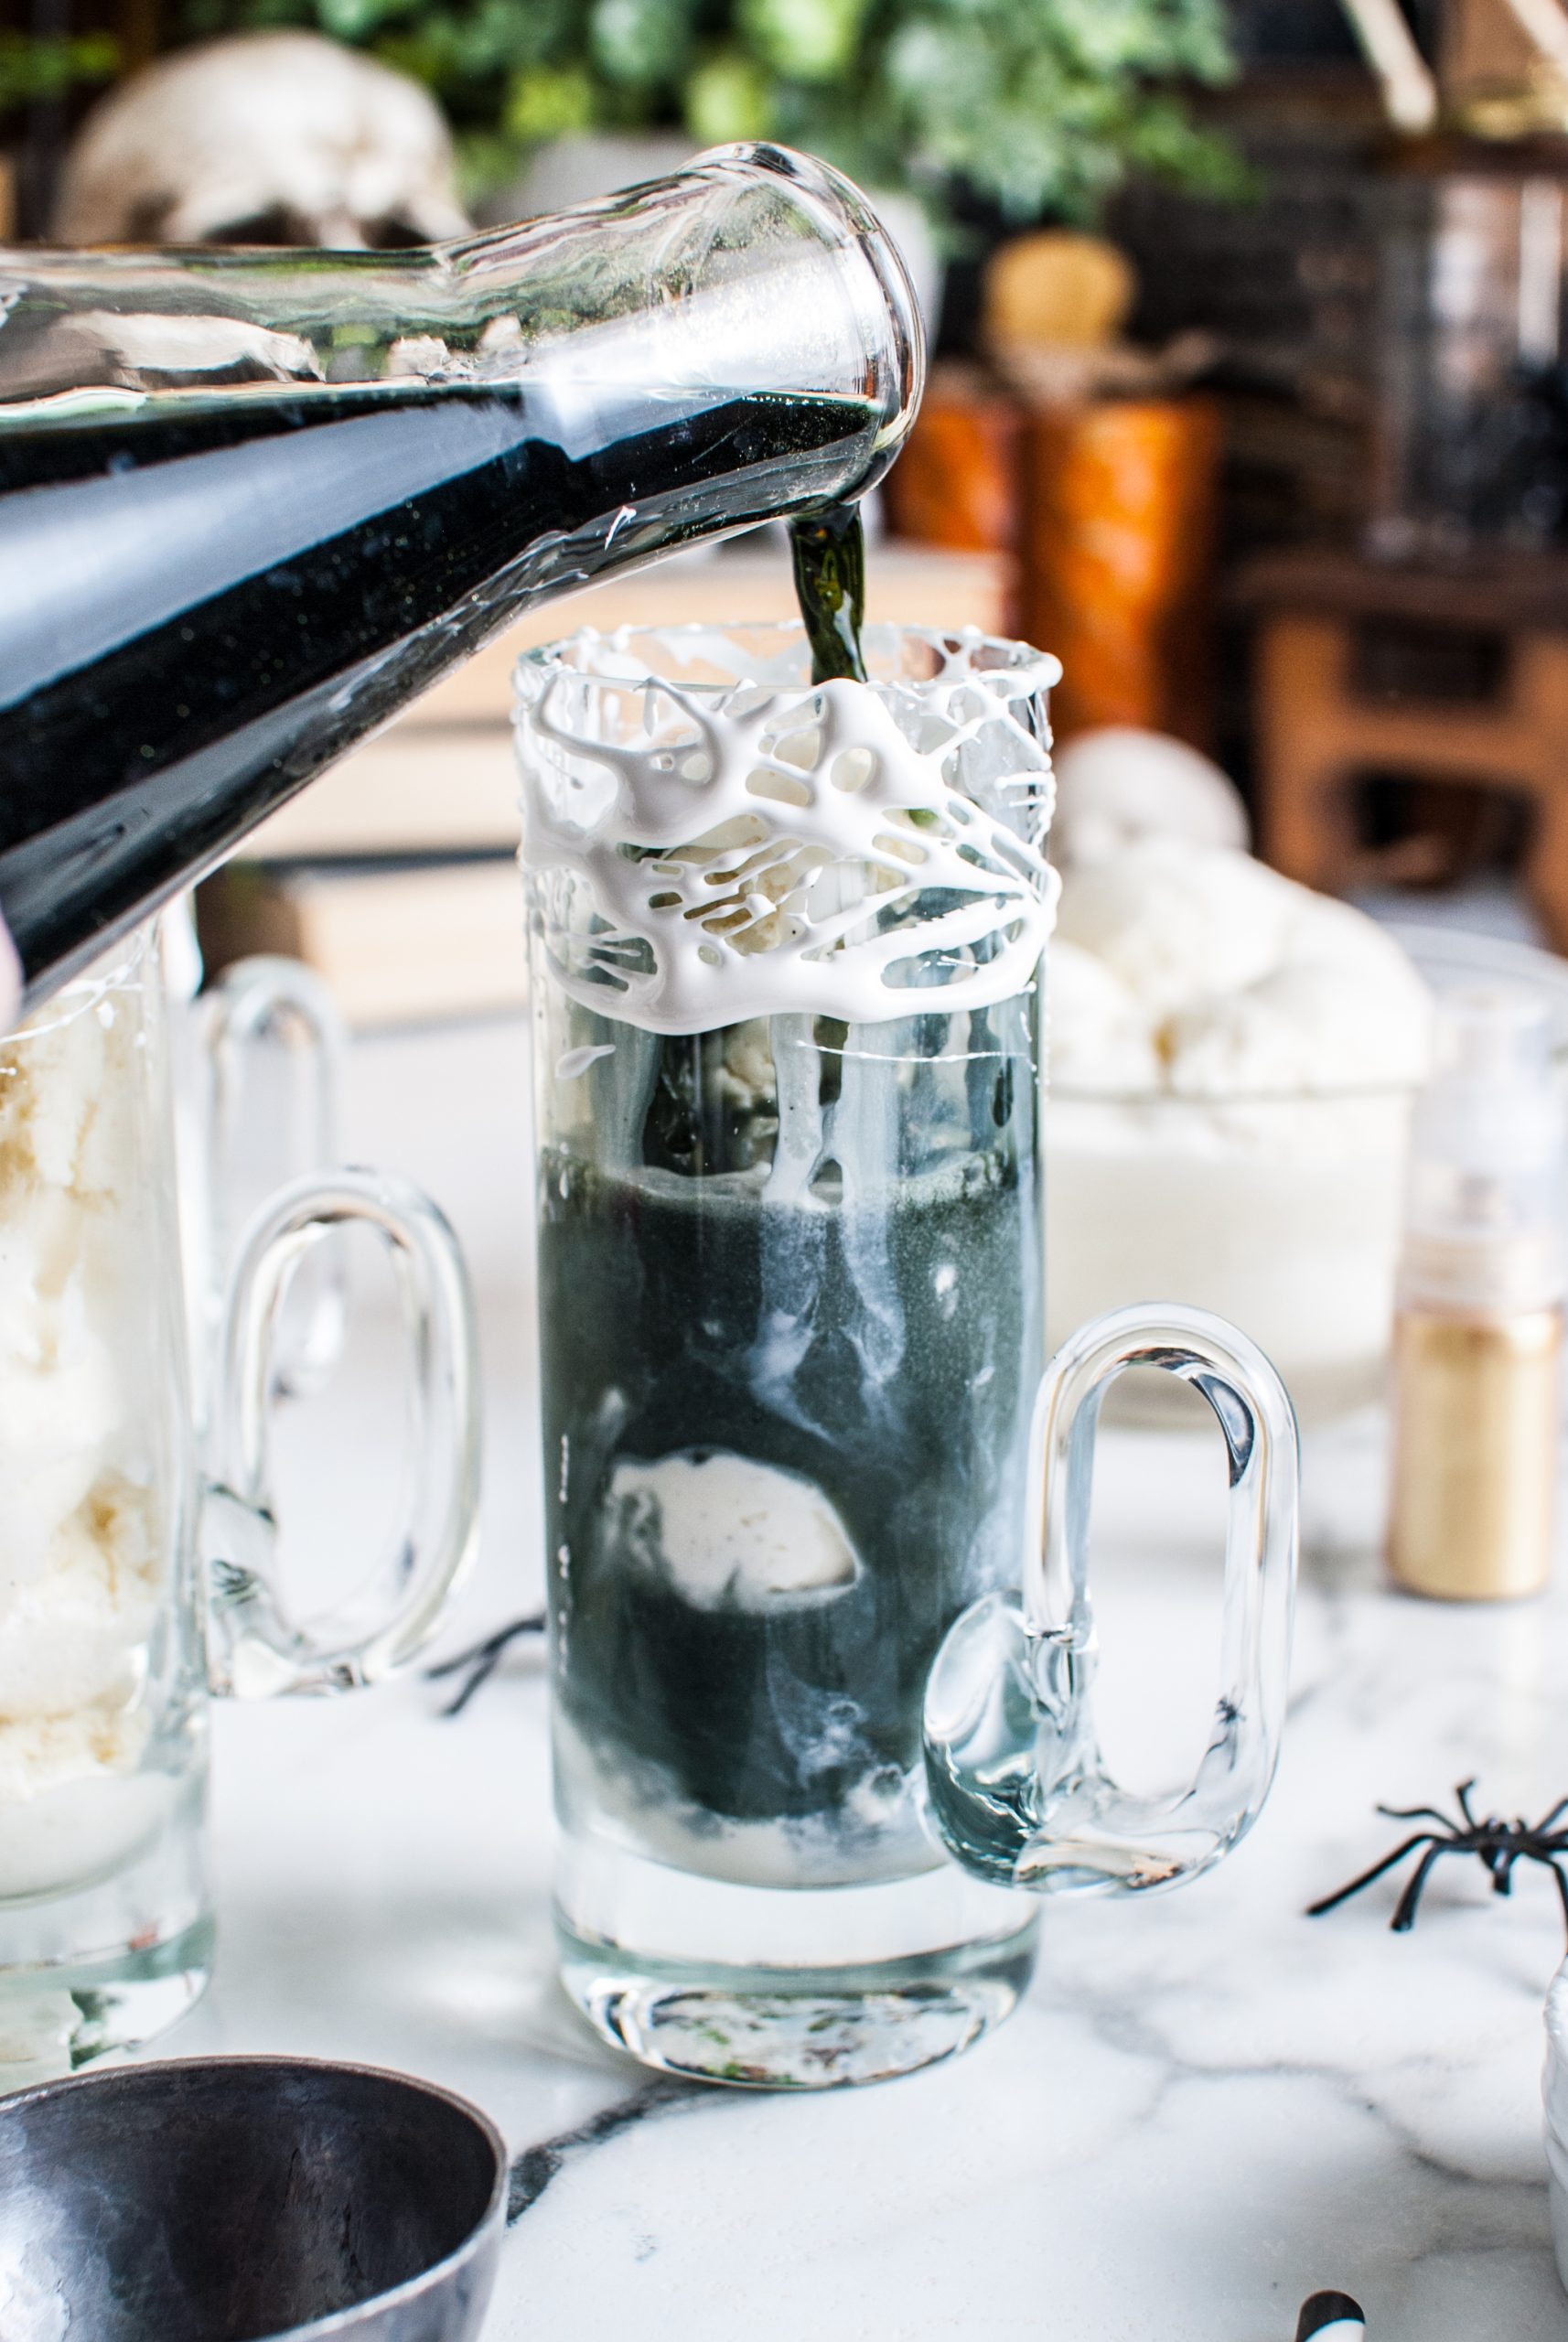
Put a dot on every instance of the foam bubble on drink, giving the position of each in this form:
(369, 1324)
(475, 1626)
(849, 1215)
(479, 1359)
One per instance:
(764, 847)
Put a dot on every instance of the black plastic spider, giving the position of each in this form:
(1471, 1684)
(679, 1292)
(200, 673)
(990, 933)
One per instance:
(481, 1662)
(1497, 1844)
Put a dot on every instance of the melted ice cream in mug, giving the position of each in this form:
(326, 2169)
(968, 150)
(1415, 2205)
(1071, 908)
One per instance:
(723, 1532)
(85, 1537)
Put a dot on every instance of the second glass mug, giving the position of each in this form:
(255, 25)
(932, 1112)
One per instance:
(135, 1573)
(820, 1692)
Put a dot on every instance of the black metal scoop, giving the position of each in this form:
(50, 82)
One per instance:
(228, 2199)
(1330, 2315)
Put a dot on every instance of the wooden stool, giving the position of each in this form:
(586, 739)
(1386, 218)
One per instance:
(1322, 723)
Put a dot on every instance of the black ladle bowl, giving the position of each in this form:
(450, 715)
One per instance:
(227, 2199)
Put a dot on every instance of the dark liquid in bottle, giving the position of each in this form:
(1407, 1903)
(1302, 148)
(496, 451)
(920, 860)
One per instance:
(206, 599)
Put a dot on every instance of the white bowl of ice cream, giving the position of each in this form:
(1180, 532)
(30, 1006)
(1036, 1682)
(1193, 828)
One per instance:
(1232, 1064)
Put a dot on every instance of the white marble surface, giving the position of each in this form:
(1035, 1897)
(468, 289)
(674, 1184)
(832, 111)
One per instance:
(1206, 2108)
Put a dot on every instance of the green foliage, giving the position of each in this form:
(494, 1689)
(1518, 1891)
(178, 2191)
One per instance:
(1044, 106)
(548, 101)
(808, 41)
(729, 95)
(33, 67)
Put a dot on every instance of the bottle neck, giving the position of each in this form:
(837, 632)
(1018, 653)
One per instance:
(754, 269)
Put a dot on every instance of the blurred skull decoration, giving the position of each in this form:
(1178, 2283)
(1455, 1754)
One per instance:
(268, 138)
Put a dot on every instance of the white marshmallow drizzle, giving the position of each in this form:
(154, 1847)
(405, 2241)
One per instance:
(771, 846)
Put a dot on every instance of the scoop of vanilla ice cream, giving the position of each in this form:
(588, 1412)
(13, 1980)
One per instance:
(73, 1635)
(64, 1274)
(73, 1804)
(1099, 1037)
(725, 1529)
(1118, 783)
(1232, 1061)
(1236, 980)
(63, 1110)
(84, 1544)
(60, 1401)
(1174, 923)
(1303, 1030)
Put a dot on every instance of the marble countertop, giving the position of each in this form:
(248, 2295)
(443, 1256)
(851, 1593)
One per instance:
(1207, 2107)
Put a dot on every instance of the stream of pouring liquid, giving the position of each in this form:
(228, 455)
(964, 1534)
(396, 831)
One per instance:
(829, 550)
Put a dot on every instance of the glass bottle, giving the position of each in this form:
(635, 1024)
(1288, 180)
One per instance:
(249, 503)
(1478, 1334)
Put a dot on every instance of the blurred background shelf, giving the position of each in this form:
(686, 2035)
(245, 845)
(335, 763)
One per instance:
(399, 943)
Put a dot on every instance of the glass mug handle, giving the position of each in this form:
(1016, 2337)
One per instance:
(269, 1002)
(1018, 1785)
(252, 1649)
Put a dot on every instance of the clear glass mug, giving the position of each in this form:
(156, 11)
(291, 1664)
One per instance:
(135, 1574)
(810, 1745)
